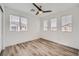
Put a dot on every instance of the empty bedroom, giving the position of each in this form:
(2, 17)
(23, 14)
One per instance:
(39, 29)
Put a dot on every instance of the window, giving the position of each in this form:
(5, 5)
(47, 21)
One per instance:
(14, 23)
(18, 23)
(23, 24)
(45, 23)
(67, 23)
(54, 24)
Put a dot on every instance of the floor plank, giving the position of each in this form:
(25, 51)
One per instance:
(39, 47)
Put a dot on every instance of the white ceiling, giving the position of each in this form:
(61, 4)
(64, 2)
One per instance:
(55, 7)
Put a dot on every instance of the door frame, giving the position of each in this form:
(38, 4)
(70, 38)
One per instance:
(1, 42)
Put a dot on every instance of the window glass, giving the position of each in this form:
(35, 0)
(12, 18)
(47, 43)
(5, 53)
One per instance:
(67, 23)
(54, 24)
(45, 25)
(23, 24)
(18, 23)
(14, 23)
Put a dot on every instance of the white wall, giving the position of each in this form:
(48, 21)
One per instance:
(11, 38)
(67, 38)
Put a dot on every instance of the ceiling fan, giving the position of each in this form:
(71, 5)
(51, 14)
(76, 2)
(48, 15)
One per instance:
(40, 11)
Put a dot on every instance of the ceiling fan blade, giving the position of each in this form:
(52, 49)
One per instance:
(37, 7)
(47, 11)
(37, 13)
(1, 8)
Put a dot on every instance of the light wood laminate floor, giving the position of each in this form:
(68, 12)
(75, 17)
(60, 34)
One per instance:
(39, 47)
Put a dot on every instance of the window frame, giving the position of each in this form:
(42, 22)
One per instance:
(26, 25)
(70, 25)
(45, 27)
(52, 28)
(19, 23)
(16, 23)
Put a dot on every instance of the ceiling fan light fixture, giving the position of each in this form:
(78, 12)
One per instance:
(40, 12)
